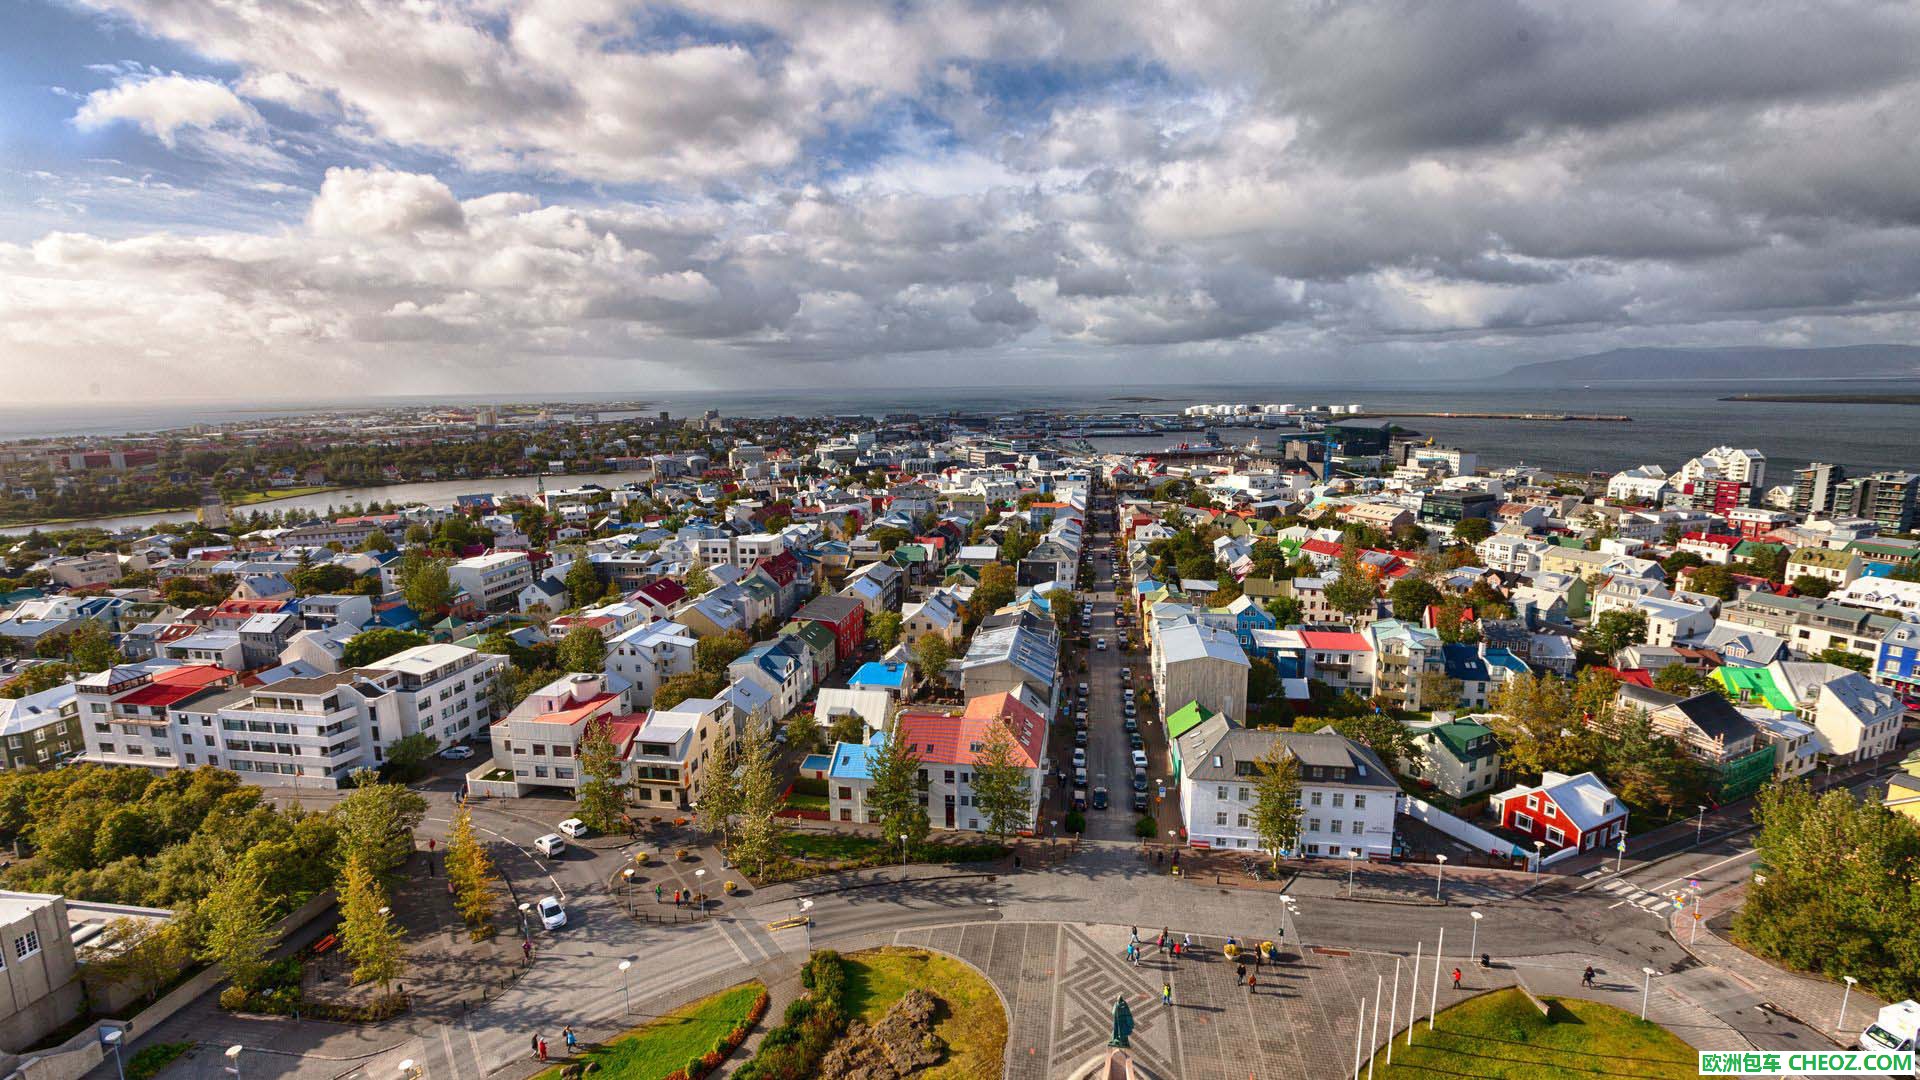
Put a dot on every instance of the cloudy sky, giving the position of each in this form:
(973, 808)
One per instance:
(262, 197)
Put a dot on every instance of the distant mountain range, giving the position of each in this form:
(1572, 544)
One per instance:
(1674, 365)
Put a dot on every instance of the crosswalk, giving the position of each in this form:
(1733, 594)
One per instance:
(1627, 892)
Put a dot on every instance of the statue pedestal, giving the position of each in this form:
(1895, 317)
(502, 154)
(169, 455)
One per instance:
(1113, 1063)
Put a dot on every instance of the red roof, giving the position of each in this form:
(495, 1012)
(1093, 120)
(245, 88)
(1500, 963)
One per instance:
(176, 684)
(665, 591)
(573, 714)
(951, 738)
(1335, 640)
(1714, 539)
(1322, 547)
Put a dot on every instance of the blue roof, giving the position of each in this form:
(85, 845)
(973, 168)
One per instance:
(1464, 663)
(890, 675)
(854, 761)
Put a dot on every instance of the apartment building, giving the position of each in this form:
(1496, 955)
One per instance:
(1347, 795)
(1809, 626)
(40, 989)
(539, 741)
(1460, 758)
(442, 690)
(493, 580)
(41, 730)
(1193, 662)
(640, 659)
(740, 551)
(948, 742)
(124, 711)
(670, 751)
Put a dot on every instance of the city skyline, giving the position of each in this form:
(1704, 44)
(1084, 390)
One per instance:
(534, 198)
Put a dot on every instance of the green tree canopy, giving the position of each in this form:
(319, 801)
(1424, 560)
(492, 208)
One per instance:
(370, 646)
(1276, 806)
(583, 650)
(1002, 787)
(714, 652)
(1411, 596)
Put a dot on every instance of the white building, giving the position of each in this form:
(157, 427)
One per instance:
(493, 580)
(640, 659)
(1347, 796)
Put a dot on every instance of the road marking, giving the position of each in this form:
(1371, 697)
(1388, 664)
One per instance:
(1701, 871)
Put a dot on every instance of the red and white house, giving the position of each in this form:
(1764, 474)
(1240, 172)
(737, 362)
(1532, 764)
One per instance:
(1716, 548)
(1575, 812)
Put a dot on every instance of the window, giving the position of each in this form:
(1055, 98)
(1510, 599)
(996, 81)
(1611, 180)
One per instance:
(1359, 827)
(1339, 799)
(27, 945)
(1220, 818)
(1242, 823)
(1313, 798)
(1334, 826)
(1313, 824)
(1533, 802)
(1523, 822)
(1220, 792)
(1555, 836)
(1243, 794)
(1359, 802)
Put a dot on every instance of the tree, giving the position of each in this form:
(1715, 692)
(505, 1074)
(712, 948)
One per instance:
(376, 541)
(1808, 585)
(1411, 597)
(697, 581)
(377, 821)
(1850, 660)
(91, 646)
(1263, 680)
(884, 629)
(1453, 625)
(583, 584)
(1681, 680)
(601, 798)
(756, 841)
(372, 646)
(1002, 787)
(1276, 806)
(407, 755)
(1472, 530)
(714, 652)
(894, 795)
(236, 925)
(803, 731)
(583, 650)
(368, 933)
(1540, 726)
(144, 953)
(37, 678)
(931, 655)
(994, 592)
(685, 686)
(720, 793)
(1392, 741)
(1353, 592)
(470, 869)
(1612, 631)
(1286, 611)
(425, 584)
(309, 580)
(1646, 768)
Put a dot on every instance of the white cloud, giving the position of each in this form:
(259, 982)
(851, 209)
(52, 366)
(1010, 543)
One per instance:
(162, 105)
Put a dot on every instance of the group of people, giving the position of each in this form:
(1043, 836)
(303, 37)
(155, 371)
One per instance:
(1166, 944)
(681, 897)
(566, 1036)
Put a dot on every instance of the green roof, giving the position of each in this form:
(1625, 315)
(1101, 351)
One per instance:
(1186, 718)
(1826, 557)
(910, 553)
(1459, 734)
(1756, 681)
(1755, 547)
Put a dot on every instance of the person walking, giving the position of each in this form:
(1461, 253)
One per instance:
(1135, 935)
(1456, 978)
(1586, 977)
(1166, 994)
(1239, 974)
(534, 1045)
(659, 892)
(526, 951)
(1186, 943)
(541, 1043)
(567, 1035)
(1253, 984)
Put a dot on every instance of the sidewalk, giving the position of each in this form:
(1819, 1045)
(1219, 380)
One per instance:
(1812, 1000)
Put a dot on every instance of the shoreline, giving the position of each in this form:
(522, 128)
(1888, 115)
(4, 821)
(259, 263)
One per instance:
(1829, 399)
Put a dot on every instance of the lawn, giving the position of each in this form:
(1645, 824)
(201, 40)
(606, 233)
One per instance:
(800, 800)
(251, 498)
(1501, 1036)
(663, 1045)
(974, 1023)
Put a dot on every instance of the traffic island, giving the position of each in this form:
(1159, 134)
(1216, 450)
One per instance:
(1505, 1035)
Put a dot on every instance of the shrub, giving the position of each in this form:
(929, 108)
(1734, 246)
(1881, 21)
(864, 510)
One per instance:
(1145, 828)
(151, 1059)
(233, 998)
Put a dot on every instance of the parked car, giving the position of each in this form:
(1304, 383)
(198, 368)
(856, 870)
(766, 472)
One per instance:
(1079, 798)
(550, 845)
(553, 915)
(1140, 781)
(1079, 758)
(1139, 759)
(1139, 802)
(1135, 742)
(1130, 723)
(1079, 737)
(457, 752)
(574, 827)
(1100, 644)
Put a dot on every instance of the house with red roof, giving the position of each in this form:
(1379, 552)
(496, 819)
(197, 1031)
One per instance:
(125, 711)
(1716, 548)
(1341, 659)
(949, 741)
(659, 598)
(1577, 812)
(539, 741)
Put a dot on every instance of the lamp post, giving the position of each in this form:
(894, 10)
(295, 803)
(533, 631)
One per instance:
(526, 911)
(1646, 990)
(1352, 854)
(627, 876)
(626, 990)
(113, 1037)
(1844, 995)
(806, 906)
(903, 851)
(1539, 849)
(1439, 872)
(233, 1055)
(1473, 947)
(1699, 826)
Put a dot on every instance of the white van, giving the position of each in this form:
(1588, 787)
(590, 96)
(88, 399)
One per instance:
(550, 845)
(1896, 1029)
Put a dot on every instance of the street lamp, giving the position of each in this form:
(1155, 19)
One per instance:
(526, 912)
(1699, 825)
(233, 1055)
(1439, 872)
(1646, 990)
(1473, 947)
(903, 851)
(627, 875)
(112, 1037)
(1352, 854)
(1539, 849)
(626, 990)
(1844, 994)
(806, 906)
(407, 1070)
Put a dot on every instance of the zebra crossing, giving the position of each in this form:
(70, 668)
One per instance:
(1627, 892)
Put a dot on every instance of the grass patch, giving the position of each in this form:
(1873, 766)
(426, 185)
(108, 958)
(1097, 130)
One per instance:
(797, 800)
(665, 1044)
(151, 1059)
(854, 846)
(250, 498)
(973, 1022)
(1501, 1036)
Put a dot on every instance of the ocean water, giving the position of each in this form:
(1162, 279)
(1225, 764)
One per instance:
(1671, 421)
